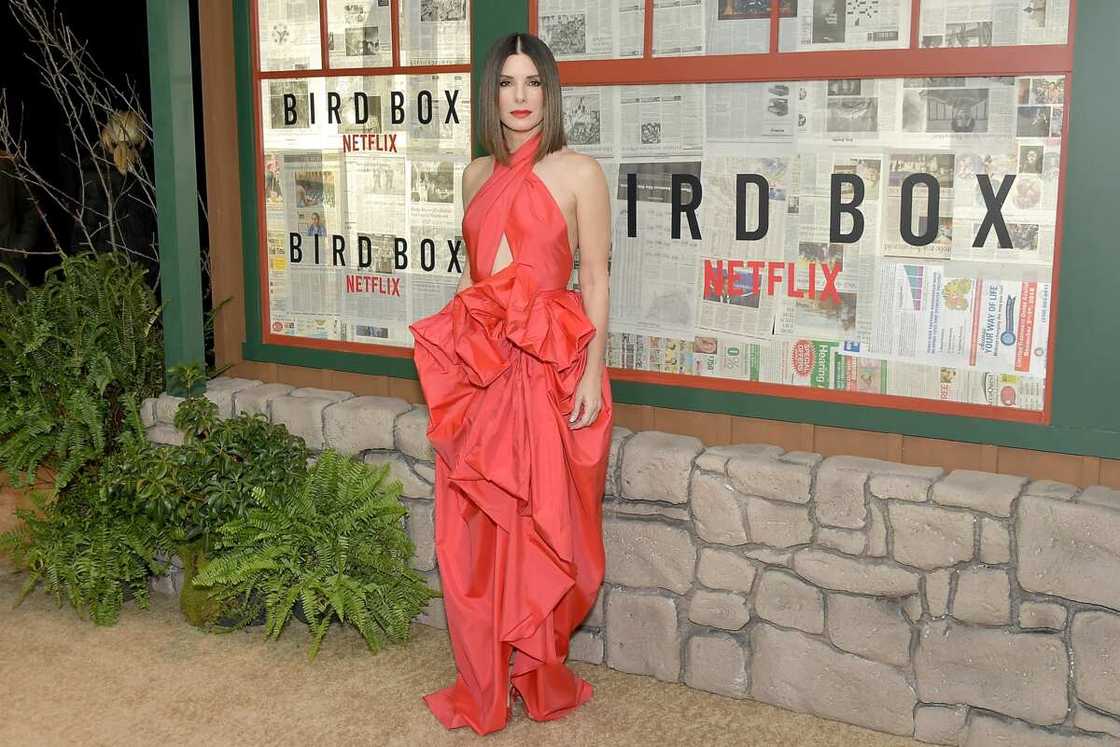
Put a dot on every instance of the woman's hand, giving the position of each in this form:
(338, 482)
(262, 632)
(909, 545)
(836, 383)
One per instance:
(588, 400)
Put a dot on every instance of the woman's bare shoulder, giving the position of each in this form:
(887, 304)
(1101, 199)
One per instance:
(577, 169)
(478, 169)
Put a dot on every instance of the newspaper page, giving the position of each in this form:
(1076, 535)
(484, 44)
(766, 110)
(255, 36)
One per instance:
(585, 30)
(692, 27)
(359, 33)
(289, 33)
(435, 32)
(826, 25)
(993, 23)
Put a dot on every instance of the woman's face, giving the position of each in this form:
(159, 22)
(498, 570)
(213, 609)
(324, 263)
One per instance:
(520, 94)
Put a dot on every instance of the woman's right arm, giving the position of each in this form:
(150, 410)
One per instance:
(474, 176)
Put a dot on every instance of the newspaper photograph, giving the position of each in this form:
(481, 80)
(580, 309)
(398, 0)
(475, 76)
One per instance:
(289, 35)
(435, 32)
(828, 25)
(993, 23)
(584, 30)
(359, 33)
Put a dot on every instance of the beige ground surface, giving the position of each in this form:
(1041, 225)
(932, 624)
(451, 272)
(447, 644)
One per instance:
(154, 680)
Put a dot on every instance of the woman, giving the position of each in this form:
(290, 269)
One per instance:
(513, 372)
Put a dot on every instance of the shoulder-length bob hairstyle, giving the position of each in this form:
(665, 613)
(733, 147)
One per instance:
(489, 120)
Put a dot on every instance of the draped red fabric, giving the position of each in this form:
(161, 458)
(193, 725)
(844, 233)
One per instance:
(518, 493)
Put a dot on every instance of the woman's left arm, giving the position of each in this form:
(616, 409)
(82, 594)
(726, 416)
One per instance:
(593, 229)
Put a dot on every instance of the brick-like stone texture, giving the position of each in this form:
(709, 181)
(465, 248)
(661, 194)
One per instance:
(984, 730)
(849, 541)
(1042, 616)
(1051, 489)
(718, 609)
(840, 496)
(1098, 495)
(302, 416)
(221, 390)
(928, 537)
(983, 596)
(980, 491)
(792, 670)
(655, 466)
(718, 664)
(1090, 720)
(1096, 659)
(434, 614)
(362, 423)
(586, 645)
(1019, 674)
(876, 531)
(255, 400)
(841, 573)
(939, 724)
(648, 553)
(410, 434)
(995, 542)
(778, 524)
(900, 487)
(770, 478)
(722, 569)
(618, 437)
(422, 530)
(642, 635)
(871, 628)
(1069, 550)
(411, 484)
(719, 511)
(786, 600)
(938, 585)
(715, 458)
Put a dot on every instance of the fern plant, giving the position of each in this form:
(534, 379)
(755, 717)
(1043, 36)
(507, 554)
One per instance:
(82, 547)
(71, 351)
(337, 545)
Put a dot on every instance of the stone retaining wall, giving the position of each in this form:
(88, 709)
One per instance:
(966, 608)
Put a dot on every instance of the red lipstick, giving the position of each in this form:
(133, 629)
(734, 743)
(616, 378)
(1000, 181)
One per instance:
(521, 113)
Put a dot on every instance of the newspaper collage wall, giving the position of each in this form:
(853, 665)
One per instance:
(872, 236)
(362, 173)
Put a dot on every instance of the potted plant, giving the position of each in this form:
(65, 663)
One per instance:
(336, 545)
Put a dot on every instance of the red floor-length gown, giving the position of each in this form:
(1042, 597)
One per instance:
(518, 493)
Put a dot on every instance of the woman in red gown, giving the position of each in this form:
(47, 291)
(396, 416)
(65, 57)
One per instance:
(514, 375)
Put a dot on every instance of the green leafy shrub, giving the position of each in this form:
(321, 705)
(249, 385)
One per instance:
(72, 352)
(84, 547)
(337, 545)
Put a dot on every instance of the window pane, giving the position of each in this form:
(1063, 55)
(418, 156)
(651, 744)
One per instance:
(825, 25)
(993, 23)
(289, 35)
(435, 32)
(586, 30)
(694, 27)
(360, 34)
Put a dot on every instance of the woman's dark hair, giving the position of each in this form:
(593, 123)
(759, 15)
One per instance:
(489, 116)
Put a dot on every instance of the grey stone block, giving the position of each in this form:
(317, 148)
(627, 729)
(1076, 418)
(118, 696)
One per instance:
(594, 618)
(410, 434)
(983, 596)
(718, 609)
(648, 553)
(166, 407)
(979, 491)
(1059, 491)
(792, 670)
(718, 510)
(769, 556)
(715, 458)
(148, 412)
(618, 436)
(900, 487)
(718, 664)
(778, 524)
(839, 497)
(221, 390)
(984, 730)
(937, 592)
(426, 472)
(255, 400)
(939, 724)
(433, 615)
(848, 541)
(1096, 659)
(876, 531)
(586, 645)
(770, 478)
(642, 635)
(302, 416)
(857, 575)
(422, 530)
(1019, 674)
(720, 569)
(355, 425)
(411, 485)
(624, 507)
(1090, 720)
(656, 465)
(804, 458)
(334, 395)
(1098, 495)
(995, 542)
(162, 433)
(786, 600)
(871, 628)
(929, 537)
(1070, 550)
(1041, 616)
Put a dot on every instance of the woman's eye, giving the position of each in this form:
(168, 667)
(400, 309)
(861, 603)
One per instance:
(535, 83)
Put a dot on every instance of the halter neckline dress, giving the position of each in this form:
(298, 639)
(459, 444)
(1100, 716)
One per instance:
(518, 493)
